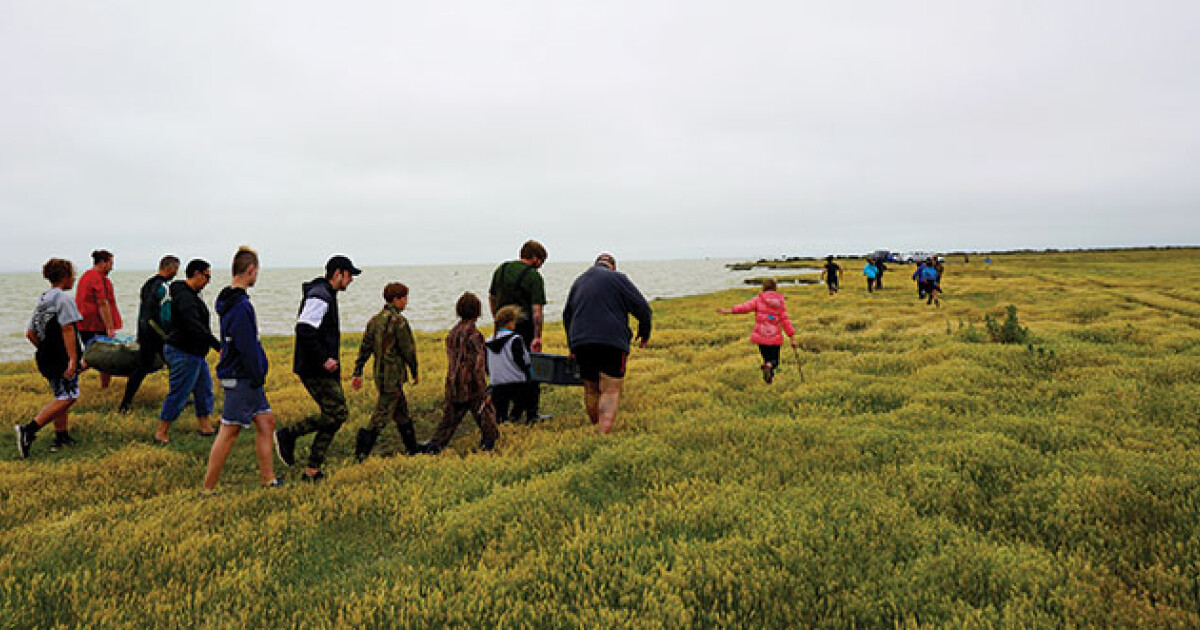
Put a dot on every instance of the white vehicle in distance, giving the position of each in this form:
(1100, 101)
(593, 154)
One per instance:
(915, 257)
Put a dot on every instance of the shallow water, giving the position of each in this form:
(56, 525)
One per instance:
(433, 291)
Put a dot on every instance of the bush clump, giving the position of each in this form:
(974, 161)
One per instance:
(1010, 331)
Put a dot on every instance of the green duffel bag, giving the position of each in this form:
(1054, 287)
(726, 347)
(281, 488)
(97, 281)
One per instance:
(117, 358)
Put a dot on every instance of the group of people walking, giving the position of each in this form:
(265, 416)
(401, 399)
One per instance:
(928, 276)
(174, 325)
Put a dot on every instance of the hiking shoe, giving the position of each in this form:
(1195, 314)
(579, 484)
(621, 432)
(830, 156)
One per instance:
(312, 478)
(285, 447)
(62, 440)
(275, 483)
(24, 441)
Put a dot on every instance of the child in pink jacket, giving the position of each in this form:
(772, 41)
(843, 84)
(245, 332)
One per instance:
(770, 322)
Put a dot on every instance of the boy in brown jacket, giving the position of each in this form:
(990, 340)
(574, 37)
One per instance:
(466, 379)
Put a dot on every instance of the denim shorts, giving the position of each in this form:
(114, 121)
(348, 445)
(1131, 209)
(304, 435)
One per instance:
(242, 402)
(65, 388)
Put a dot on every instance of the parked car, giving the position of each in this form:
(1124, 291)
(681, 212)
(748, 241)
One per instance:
(913, 258)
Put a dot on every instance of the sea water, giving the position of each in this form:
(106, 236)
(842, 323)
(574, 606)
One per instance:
(433, 290)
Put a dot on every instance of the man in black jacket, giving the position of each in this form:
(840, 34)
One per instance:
(318, 364)
(188, 343)
(152, 330)
(596, 319)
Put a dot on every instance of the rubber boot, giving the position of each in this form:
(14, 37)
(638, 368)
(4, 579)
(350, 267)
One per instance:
(409, 435)
(364, 443)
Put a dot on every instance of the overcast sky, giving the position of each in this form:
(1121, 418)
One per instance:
(440, 132)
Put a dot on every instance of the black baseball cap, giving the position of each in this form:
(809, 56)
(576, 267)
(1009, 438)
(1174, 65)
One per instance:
(341, 263)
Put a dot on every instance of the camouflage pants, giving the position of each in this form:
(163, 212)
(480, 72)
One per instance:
(328, 394)
(453, 414)
(392, 404)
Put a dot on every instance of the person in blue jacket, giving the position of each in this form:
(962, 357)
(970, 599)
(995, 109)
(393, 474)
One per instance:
(243, 372)
(870, 271)
(596, 320)
(931, 280)
(921, 288)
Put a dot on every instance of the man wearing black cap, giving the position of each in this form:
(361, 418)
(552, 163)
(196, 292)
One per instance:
(318, 341)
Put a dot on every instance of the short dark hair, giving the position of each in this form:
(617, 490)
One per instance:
(533, 249)
(243, 260)
(468, 306)
(196, 266)
(167, 262)
(394, 290)
(101, 255)
(769, 284)
(57, 269)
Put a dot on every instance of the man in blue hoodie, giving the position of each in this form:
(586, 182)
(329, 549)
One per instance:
(243, 371)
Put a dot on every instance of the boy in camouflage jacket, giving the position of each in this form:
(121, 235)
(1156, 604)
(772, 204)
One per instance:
(389, 338)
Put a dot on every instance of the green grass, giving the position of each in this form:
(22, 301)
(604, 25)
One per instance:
(920, 475)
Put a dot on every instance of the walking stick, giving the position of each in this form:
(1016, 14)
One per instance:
(798, 366)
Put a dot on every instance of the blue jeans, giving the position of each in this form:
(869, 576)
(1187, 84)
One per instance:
(189, 379)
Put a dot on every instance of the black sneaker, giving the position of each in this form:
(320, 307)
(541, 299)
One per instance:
(312, 478)
(24, 441)
(431, 448)
(275, 483)
(62, 440)
(285, 447)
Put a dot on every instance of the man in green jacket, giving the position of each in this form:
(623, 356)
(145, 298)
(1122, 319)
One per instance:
(390, 340)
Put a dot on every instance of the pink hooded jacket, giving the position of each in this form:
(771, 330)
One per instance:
(770, 318)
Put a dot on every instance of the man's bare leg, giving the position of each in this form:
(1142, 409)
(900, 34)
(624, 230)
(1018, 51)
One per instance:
(591, 399)
(226, 436)
(264, 423)
(56, 412)
(610, 400)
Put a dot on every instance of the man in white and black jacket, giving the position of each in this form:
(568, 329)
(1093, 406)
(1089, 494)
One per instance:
(317, 362)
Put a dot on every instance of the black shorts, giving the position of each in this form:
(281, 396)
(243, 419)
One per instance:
(595, 359)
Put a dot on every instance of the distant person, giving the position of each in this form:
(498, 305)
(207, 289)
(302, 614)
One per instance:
(870, 271)
(187, 346)
(880, 268)
(390, 340)
(508, 366)
(518, 283)
(770, 322)
(98, 304)
(931, 282)
(243, 372)
(466, 380)
(58, 356)
(318, 364)
(831, 275)
(596, 319)
(154, 313)
(917, 277)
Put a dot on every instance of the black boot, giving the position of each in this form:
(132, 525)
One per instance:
(409, 435)
(364, 443)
